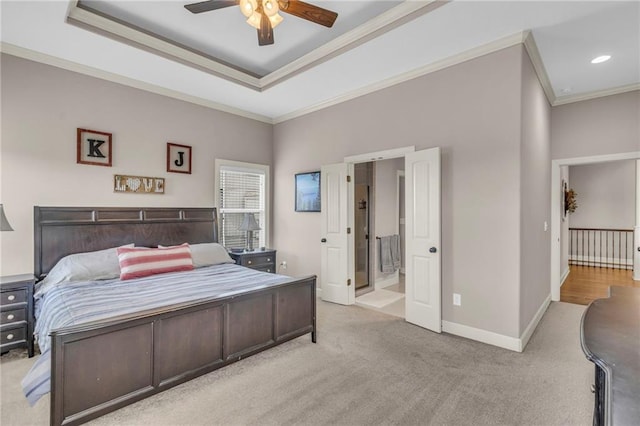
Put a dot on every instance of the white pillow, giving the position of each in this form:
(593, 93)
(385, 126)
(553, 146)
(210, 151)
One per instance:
(88, 266)
(207, 254)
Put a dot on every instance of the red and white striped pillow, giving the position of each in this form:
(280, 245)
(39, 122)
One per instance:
(142, 262)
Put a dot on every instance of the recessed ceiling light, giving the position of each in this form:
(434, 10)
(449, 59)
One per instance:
(601, 59)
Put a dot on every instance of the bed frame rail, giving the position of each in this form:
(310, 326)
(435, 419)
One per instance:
(102, 366)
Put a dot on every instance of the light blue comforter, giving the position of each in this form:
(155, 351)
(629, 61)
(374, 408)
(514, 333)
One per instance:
(76, 303)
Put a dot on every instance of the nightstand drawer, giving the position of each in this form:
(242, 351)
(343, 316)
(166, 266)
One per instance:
(13, 335)
(10, 297)
(13, 315)
(263, 259)
(265, 268)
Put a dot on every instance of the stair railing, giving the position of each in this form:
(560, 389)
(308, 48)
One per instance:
(605, 248)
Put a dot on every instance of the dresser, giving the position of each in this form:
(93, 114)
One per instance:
(261, 260)
(610, 338)
(16, 312)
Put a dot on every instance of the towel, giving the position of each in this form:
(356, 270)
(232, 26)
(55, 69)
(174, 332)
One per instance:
(389, 253)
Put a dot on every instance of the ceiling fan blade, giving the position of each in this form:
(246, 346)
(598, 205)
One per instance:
(309, 12)
(265, 32)
(206, 6)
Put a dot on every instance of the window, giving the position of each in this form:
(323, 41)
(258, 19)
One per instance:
(242, 189)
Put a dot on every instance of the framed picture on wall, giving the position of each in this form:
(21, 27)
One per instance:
(94, 147)
(178, 158)
(308, 192)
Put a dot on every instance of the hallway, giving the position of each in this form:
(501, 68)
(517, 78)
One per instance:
(586, 283)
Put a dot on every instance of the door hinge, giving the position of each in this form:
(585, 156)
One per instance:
(348, 178)
(348, 282)
(348, 230)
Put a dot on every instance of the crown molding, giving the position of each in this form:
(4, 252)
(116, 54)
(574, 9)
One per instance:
(85, 17)
(43, 58)
(476, 52)
(534, 54)
(393, 18)
(563, 100)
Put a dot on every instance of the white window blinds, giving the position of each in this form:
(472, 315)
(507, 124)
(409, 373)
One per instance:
(242, 191)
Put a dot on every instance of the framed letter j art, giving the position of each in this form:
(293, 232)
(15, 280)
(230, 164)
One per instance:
(178, 158)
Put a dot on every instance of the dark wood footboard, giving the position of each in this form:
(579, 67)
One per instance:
(102, 366)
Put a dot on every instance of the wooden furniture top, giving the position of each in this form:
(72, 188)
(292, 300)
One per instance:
(611, 339)
(10, 280)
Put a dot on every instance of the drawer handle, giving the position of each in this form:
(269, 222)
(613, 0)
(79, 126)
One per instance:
(268, 259)
(248, 262)
(9, 336)
(11, 297)
(10, 316)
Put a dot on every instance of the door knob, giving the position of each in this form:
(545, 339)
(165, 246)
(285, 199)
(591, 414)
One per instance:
(324, 240)
(433, 250)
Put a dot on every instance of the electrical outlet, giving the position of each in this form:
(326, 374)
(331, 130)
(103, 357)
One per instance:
(457, 299)
(283, 264)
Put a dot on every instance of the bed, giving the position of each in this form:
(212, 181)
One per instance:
(100, 363)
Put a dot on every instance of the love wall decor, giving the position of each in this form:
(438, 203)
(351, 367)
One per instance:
(138, 184)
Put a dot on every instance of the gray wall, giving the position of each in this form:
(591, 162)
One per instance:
(600, 126)
(535, 201)
(606, 195)
(472, 111)
(41, 108)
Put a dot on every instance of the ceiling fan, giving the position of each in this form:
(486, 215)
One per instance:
(263, 14)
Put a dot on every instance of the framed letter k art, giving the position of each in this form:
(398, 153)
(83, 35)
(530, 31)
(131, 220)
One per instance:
(94, 148)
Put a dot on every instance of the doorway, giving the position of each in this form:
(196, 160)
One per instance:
(559, 235)
(422, 239)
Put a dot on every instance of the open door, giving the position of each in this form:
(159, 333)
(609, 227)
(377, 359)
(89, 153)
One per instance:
(335, 277)
(422, 239)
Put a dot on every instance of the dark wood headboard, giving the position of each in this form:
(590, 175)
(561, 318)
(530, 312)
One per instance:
(60, 231)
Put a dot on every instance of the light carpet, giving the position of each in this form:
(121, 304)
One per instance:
(379, 298)
(367, 368)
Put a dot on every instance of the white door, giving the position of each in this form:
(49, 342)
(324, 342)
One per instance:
(422, 203)
(335, 277)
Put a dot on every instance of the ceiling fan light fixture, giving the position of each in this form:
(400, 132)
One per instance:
(254, 20)
(248, 7)
(275, 20)
(270, 7)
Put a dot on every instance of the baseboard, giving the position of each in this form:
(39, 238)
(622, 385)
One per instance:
(483, 336)
(524, 339)
(564, 275)
(495, 339)
(389, 281)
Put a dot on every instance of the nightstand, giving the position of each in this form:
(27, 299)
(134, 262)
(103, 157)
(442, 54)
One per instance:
(16, 312)
(261, 260)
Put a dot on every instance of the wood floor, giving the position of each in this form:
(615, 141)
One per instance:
(586, 283)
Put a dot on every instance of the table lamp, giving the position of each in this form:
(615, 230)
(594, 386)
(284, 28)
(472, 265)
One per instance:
(249, 225)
